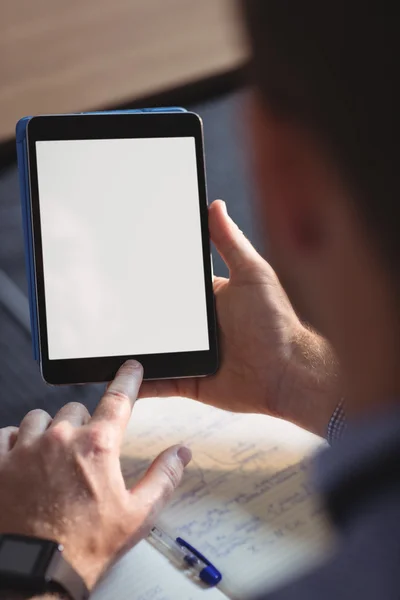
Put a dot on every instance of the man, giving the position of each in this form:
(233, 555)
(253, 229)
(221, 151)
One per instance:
(324, 127)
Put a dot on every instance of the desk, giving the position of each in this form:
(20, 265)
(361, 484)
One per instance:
(62, 56)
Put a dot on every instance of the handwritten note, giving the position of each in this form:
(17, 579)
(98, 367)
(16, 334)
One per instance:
(245, 501)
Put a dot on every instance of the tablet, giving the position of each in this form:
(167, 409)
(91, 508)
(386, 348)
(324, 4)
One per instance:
(120, 246)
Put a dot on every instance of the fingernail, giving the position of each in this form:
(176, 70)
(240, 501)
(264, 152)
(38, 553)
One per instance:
(184, 455)
(132, 364)
(224, 207)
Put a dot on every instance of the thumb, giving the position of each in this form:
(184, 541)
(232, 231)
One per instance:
(160, 481)
(231, 243)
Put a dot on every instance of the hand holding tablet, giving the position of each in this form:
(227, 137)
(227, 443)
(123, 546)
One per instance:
(115, 218)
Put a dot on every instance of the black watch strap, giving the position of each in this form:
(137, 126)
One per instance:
(36, 565)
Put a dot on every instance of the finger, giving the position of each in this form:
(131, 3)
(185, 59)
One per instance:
(236, 250)
(116, 405)
(8, 437)
(163, 388)
(74, 412)
(160, 481)
(168, 388)
(32, 426)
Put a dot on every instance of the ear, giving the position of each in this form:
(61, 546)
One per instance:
(291, 181)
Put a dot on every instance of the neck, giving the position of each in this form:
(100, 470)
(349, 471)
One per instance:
(369, 352)
(369, 394)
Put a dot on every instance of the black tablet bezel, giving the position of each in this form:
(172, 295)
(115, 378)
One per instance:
(114, 126)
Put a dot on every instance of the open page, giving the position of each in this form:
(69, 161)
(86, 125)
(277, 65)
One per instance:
(145, 574)
(245, 502)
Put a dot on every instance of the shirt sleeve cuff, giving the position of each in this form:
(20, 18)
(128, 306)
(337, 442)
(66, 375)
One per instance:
(337, 424)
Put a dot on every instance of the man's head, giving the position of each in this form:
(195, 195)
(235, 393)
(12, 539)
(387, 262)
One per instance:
(325, 129)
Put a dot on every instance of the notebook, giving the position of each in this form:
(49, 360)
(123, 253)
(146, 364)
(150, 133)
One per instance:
(246, 502)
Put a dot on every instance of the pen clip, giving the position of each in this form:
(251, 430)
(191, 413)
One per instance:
(193, 550)
(209, 574)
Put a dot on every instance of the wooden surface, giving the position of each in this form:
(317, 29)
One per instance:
(58, 56)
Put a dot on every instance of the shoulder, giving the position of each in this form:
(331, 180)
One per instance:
(366, 560)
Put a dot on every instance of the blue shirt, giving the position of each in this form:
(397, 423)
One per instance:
(359, 480)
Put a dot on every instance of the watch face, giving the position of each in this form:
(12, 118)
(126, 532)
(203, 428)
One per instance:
(35, 564)
(19, 557)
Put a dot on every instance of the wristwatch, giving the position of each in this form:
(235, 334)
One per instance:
(35, 565)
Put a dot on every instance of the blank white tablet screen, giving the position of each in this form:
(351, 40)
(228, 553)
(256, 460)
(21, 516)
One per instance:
(122, 250)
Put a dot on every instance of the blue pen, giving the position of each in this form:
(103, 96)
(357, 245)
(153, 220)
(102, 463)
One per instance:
(185, 556)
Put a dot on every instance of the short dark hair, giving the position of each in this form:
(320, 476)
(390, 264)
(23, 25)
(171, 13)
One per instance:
(333, 65)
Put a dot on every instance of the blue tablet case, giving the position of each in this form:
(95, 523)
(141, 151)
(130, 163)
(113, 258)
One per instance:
(23, 174)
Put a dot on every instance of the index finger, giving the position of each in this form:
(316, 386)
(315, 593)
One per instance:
(116, 405)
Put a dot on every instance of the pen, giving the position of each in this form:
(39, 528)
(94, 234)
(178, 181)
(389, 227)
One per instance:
(185, 556)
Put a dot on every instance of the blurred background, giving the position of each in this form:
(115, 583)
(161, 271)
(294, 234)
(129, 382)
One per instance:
(58, 56)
